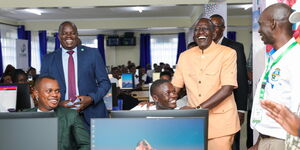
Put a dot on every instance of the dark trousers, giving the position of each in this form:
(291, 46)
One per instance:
(249, 131)
(236, 142)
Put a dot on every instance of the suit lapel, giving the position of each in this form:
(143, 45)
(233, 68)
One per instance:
(80, 58)
(58, 58)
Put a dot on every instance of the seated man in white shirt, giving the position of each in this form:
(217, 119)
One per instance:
(163, 94)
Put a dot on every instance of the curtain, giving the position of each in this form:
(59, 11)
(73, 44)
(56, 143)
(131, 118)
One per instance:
(21, 32)
(8, 44)
(35, 51)
(100, 38)
(231, 35)
(28, 37)
(181, 45)
(1, 63)
(43, 44)
(145, 55)
(57, 42)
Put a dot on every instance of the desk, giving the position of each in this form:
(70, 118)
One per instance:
(140, 95)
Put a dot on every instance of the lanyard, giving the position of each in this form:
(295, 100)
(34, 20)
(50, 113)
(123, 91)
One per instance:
(267, 72)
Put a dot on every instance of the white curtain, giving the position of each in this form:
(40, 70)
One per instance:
(164, 49)
(8, 41)
(35, 51)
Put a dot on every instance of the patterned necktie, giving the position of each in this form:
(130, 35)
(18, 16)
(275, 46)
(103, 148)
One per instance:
(71, 77)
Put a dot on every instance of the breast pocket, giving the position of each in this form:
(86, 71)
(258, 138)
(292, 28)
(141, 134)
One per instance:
(212, 77)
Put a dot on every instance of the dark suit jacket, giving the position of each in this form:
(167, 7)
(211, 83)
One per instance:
(72, 135)
(92, 78)
(240, 94)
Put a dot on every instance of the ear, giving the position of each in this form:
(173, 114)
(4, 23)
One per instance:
(35, 93)
(155, 98)
(273, 24)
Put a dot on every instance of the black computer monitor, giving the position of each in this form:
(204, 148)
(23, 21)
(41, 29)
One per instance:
(28, 131)
(23, 95)
(160, 113)
(151, 133)
(110, 99)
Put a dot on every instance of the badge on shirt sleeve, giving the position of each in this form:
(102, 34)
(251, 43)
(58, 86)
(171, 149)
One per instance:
(275, 74)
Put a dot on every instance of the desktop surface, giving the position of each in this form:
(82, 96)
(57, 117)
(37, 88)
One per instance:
(151, 133)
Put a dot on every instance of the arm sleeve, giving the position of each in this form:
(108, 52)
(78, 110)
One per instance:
(229, 70)
(80, 133)
(103, 83)
(177, 80)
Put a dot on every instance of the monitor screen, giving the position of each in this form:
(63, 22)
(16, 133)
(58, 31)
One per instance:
(151, 133)
(28, 131)
(127, 81)
(8, 96)
(23, 95)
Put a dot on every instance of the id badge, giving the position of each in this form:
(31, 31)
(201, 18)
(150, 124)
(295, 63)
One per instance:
(257, 115)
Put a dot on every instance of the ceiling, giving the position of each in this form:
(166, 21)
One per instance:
(105, 13)
(112, 12)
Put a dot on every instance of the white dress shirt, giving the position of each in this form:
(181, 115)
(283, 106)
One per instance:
(283, 87)
(65, 59)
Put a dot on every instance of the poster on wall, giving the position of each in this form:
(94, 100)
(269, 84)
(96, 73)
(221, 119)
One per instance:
(22, 54)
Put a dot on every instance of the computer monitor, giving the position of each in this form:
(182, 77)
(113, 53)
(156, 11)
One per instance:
(159, 113)
(23, 95)
(8, 100)
(28, 131)
(127, 81)
(151, 133)
(110, 99)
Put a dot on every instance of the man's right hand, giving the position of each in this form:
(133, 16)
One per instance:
(65, 104)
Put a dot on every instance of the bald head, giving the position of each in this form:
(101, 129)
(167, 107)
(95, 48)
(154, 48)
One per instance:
(280, 13)
(274, 26)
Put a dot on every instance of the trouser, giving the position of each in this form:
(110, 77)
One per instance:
(221, 143)
(270, 143)
(236, 142)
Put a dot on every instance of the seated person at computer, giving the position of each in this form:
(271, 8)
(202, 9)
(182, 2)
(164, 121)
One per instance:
(163, 94)
(71, 131)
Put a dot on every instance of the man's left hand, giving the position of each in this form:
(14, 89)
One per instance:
(241, 117)
(84, 102)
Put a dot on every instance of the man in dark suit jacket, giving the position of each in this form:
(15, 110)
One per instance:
(91, 78)
(240, 94)
(72, 135)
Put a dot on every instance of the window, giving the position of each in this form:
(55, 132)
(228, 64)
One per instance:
(89, 41)
(50, 44)
(164, 49)
(8, 41)
(35, 51)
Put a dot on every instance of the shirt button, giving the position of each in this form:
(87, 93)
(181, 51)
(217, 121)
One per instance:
(199, 95)
(199, 82)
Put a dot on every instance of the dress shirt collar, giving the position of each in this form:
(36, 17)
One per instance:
(275, 53)
(212, 47)
(38, 110)
(74, 49)
(221, 39)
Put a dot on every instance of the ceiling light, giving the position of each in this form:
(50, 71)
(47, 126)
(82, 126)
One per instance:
(34, 11)
(139, 9)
